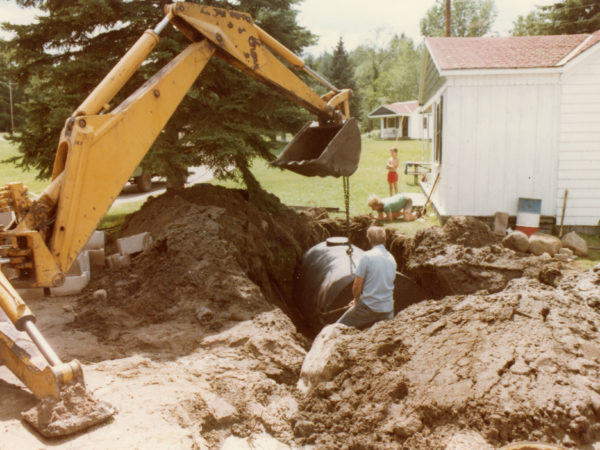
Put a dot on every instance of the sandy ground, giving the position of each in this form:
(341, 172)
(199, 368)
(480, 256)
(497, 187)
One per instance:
(198, 344)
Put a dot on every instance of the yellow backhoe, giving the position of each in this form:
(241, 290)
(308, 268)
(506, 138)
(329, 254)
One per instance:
(47, 234)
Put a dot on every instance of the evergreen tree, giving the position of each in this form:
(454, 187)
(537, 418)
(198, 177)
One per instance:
(565, 17)
(340, 69)
(467, 18)
(10, 95)
(340, 72)
(226, 119)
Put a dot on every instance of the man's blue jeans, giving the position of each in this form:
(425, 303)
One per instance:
(360, 316)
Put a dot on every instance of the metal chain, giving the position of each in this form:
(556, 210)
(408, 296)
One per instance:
(346, 181)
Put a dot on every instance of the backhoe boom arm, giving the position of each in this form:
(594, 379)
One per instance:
(99, 148)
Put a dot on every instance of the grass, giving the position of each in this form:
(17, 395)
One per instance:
(370, 178)
(593, 256)
(117, 213)
(10, 173)
(296, 190)
(291, 188)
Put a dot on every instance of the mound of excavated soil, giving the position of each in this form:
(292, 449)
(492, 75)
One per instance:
(521, 364)
(215, 257)
(191, 341)
(462, 257)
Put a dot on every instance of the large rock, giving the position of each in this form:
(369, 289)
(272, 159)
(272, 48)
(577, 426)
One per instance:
(323, 361)
(576, 243)
(540, 243)
(517, 240)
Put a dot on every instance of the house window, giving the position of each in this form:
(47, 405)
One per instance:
(424, 122)
(391, 122)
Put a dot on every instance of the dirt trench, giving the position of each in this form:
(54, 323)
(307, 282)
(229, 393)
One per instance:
(199, 344)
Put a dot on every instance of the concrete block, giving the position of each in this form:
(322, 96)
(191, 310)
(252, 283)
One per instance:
(500, 223)
(73, 285)
(117, 260)
(95, 241)
(134, 244)
(80, 265)
(97, 258)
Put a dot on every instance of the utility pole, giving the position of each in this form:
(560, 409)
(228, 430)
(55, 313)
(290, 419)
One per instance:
(448, 18)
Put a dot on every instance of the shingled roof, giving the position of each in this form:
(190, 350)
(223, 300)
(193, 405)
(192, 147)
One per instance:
(398, 108)
(508, 52)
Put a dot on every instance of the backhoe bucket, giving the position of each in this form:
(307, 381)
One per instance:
(329, 150)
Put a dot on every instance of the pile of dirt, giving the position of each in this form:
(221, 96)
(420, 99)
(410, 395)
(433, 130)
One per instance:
(215, 258)
(521, 364)
(197, 340)
(462, 257)
(204, 306)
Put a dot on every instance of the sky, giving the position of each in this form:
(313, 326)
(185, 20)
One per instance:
(375, 21)
(356, 21)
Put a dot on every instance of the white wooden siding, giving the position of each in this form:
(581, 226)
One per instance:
(579, 141)
(500, 142)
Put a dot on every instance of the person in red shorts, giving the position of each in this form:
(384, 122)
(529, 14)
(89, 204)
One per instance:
(392, 167)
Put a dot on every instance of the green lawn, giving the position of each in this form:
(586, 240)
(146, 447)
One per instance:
(370, 178)
(593, 256)
(9, 173)
(291, 188)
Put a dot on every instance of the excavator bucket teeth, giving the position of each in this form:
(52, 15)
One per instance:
(329, 150)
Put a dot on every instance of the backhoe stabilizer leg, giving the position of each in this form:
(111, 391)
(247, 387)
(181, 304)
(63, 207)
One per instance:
(41, 382)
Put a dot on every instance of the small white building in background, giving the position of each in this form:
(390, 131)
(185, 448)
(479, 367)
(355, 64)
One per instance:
(400, 120)
(514, 117)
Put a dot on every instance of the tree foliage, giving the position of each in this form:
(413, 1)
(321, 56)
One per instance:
(565, 17)
(8, 89)
(226, 118)
(467, 18)
(386, 74)
(339, 70)
(377, 72)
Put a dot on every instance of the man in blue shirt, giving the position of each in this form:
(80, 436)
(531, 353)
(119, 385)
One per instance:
(373, 287)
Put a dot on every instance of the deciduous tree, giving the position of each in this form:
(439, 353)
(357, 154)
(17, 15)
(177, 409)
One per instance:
(386, 74)
(467, 18)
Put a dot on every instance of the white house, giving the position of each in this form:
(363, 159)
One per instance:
(400, 120)
(514, 117)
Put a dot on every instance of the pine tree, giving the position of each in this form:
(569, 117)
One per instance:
(11, 95)
(340, 72)
(565, 17)
(225, 120)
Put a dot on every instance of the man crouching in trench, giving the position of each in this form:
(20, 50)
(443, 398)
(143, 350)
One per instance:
(373, 287)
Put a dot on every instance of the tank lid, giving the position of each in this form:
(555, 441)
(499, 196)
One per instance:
(337, 240)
